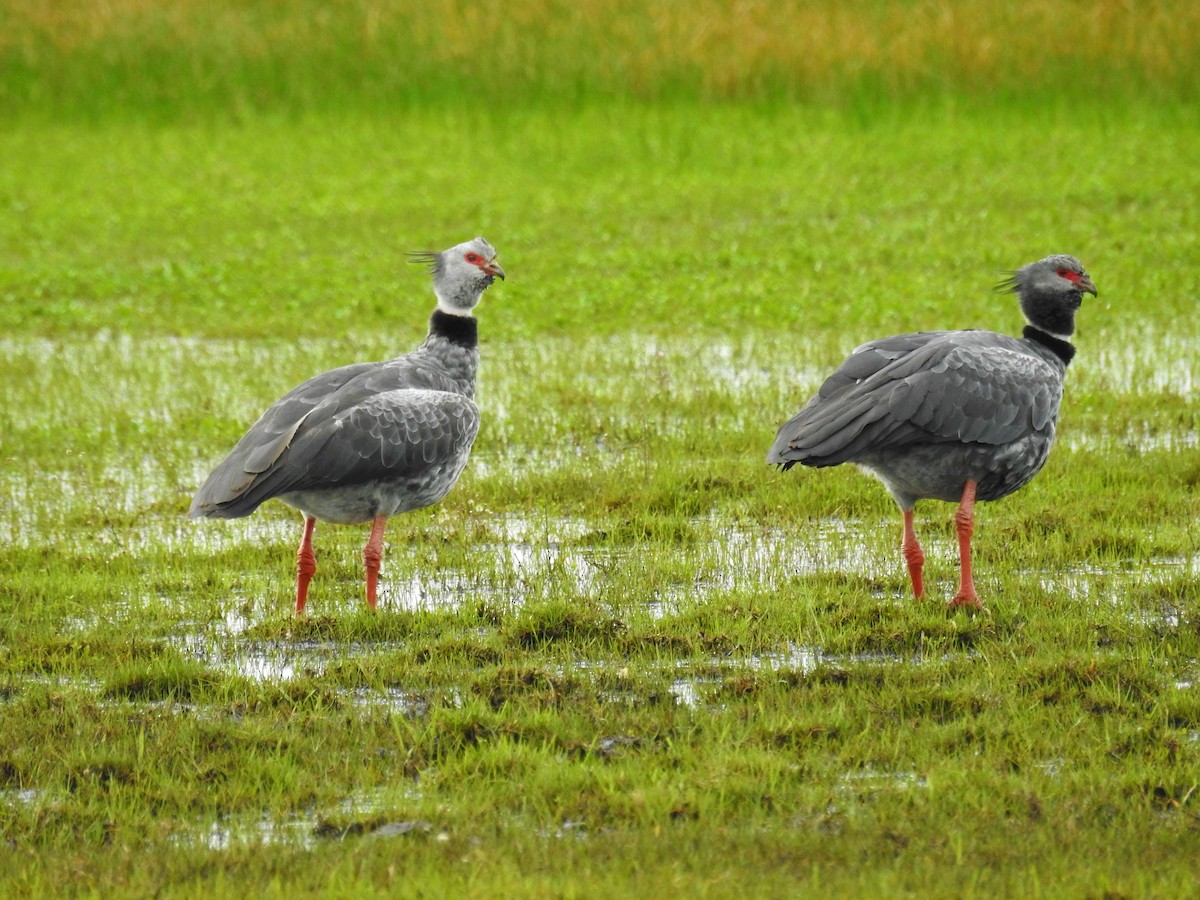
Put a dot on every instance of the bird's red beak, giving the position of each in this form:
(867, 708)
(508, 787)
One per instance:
(1081, 281)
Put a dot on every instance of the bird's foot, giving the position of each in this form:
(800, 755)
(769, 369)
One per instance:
(964, 601)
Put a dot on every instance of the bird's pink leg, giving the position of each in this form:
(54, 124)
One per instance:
(306, 564)
(913, 555)
(373, 557)
(964, 523)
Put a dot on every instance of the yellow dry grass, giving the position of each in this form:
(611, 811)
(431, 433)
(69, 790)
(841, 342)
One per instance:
(723, 47)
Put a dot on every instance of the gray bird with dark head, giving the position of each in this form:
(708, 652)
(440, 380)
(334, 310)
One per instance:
(367, 441)
(949, 415)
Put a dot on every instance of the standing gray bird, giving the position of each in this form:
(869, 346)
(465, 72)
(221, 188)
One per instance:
(367, 441)
(949, 415)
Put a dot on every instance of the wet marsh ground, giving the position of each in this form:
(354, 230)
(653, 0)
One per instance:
(623, 653)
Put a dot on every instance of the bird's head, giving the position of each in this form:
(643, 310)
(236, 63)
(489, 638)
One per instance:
(461, 274)
(1051, 290)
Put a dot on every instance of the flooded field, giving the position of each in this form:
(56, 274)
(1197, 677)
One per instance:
(619, 589)
(549, 506)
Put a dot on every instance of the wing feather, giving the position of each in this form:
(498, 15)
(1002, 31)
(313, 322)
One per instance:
(933, 387)
(347, 426)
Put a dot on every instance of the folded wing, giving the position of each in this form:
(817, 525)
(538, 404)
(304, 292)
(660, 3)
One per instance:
(928, 388)
(353, 425)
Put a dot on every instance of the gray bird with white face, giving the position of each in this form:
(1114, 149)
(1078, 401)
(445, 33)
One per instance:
(371, 440)
(949, 415)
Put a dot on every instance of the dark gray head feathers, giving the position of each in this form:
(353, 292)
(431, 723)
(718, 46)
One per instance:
(1051, 290)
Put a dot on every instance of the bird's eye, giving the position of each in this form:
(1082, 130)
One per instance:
(474, 258)
(1064, 273)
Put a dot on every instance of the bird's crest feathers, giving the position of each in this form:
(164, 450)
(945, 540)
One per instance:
(1012, 281)
(430, 258)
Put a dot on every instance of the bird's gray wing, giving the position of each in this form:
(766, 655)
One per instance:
(245, 478)
(355, 436)
(871, 358)
(267, 438)
(976, 387)
(394, 434)
(845, 403)
(986, 395)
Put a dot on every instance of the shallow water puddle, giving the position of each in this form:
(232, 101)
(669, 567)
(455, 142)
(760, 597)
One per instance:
(211, 537)
(764, 558)
(517, 550)
(525, 552)
(397, 701)
(280, 661)
(1109, 587)
(1141, 442)
(265, 832)
(1153, 362)
(22, 796)
(305, 831)
(300, 833)
(872, 780)
(552, 558)
(268, 661)
(688, 689)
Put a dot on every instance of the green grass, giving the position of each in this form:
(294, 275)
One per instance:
(621, 218)
(624, 655)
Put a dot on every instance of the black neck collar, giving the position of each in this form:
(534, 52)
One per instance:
(461, 330)
(1064, 350)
